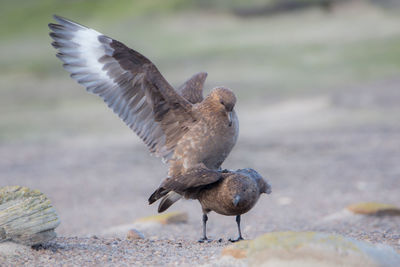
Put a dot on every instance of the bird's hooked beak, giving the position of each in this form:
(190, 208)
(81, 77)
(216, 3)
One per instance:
(236, 200)
(230, 118)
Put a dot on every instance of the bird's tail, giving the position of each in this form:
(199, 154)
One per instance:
(159, 193)
(168, 200)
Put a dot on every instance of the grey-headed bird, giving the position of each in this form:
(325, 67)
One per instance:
(230, 193)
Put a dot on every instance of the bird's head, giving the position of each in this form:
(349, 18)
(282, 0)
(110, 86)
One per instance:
(262, 184)
(223, 99)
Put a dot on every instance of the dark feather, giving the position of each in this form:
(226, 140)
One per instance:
(165, 203)
(192, 89)
(187, 184)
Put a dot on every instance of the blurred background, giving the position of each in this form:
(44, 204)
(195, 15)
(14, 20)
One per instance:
(318, 87)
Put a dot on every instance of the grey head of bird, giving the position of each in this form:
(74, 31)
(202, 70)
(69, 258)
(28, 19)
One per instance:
(262, 184)
(222, 100)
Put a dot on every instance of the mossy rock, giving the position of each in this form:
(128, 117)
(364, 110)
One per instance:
(166, 218)
(26, 216)
(310, 249)
(374, 208)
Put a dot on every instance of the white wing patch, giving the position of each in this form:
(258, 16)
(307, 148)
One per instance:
(81, 50)
(93, 50)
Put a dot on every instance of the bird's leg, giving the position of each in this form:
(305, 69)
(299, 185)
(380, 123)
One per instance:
(240, 232)
(204, 238)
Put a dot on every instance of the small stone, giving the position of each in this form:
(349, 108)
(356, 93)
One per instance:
(166, 218)
(134, 234)
(374, 208)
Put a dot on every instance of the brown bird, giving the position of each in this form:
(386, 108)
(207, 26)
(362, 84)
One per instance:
(230, 193)
(181, 127)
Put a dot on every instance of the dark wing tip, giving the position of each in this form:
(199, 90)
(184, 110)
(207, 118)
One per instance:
(204, 74)
(56, 45)
(53, 26)
(57, 17)
(60, 19)
(71, 25)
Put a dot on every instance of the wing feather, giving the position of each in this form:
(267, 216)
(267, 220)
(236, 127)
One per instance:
(128, 82)
(192, 89)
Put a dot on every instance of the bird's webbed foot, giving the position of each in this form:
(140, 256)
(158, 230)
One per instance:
(205, 240)
(236, 240)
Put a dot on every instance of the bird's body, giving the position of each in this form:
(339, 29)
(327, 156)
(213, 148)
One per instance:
(209, 141)
(235, 194)
(230, 193)
(180, 126)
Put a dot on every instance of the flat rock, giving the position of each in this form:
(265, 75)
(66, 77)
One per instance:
(374, 208)
(165, 218)
(308, 249)
(26, 216)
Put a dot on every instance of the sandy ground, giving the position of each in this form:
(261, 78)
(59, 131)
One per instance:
(320, 153)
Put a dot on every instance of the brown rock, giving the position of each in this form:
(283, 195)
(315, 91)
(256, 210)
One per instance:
(374, 208)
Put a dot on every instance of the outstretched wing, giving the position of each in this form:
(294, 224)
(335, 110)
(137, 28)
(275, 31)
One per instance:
(192, 89)
(128, 82)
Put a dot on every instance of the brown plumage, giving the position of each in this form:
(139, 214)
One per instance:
(230, 193)
(179, 126)
(235, 194)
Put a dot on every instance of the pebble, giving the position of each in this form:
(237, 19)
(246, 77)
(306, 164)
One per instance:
(134, 234)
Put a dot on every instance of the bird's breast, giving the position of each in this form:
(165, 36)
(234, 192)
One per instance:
(233, 196)
(208, 142)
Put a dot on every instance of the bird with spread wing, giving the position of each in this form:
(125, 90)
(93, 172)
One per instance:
(186, 130)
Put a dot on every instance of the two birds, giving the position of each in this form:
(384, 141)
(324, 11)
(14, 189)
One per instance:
(192, 134)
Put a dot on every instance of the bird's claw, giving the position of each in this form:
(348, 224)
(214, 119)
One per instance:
(204, 240)
(236, 240)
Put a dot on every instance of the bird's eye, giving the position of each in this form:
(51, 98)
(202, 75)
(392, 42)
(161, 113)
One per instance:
(222, 102)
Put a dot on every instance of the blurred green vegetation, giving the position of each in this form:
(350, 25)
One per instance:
(19, 16)
(24, 17)
(261, 58)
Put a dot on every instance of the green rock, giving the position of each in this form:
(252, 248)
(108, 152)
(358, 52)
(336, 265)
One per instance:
(26, 216)
(310, 249)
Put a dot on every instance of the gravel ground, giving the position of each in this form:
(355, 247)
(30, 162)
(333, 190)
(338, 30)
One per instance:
(320, 154)
(116, 252)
